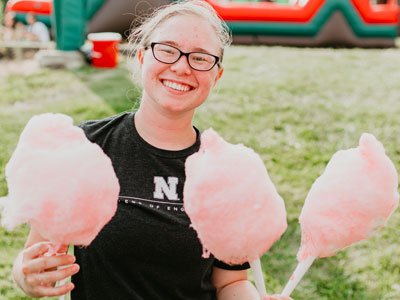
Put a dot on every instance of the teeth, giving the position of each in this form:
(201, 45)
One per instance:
(176, 86)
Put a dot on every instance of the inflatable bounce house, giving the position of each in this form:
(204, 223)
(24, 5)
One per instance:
(348, 23)
(315, 23)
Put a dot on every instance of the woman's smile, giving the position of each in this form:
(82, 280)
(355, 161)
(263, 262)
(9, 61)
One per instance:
(177, 86)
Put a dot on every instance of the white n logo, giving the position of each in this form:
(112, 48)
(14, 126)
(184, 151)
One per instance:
(162, 188)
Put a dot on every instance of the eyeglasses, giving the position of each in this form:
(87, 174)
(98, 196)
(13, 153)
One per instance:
(168, 54)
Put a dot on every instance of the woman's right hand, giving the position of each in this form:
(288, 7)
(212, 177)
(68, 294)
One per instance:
(38, 272)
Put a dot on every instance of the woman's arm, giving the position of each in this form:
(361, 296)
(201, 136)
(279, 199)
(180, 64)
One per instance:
(232, 285)
(36, 274)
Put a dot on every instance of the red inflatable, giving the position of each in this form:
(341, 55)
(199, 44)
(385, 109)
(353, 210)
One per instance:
(379, 13)
(266, 11)
(43, 7)
(274, 12)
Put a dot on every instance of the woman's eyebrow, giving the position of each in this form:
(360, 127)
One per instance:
(172, 43)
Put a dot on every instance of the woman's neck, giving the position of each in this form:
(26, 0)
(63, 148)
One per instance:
(165, 131)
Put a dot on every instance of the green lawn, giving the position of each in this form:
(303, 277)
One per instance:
(295, 107)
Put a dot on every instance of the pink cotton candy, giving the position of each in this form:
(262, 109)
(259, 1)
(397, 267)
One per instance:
(355, 195)
(59, 182)
(231, 201)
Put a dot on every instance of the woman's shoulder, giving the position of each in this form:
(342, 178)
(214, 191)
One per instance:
(95, 129)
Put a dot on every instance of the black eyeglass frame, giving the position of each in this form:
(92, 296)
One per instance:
(181, 53)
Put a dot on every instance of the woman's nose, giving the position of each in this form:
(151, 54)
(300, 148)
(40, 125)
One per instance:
(182, 66)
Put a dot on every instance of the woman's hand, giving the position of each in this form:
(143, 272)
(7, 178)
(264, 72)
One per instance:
(277, 297)
(37, 273)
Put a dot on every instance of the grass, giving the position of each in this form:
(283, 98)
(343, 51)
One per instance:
(295, 107)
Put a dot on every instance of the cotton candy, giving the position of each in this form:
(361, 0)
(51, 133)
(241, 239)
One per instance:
(59, 182)
(231, 201)
(354, 196)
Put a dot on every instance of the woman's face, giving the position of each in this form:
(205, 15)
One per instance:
(177, 88)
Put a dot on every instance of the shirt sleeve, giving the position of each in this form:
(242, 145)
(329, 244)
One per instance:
(220, 264)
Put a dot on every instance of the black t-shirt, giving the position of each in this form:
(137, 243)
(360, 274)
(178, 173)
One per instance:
(147, 251)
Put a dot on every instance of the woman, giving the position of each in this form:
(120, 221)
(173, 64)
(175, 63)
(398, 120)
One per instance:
(148, 251)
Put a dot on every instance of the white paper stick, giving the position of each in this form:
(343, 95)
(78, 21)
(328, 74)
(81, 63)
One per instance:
(297, 275)
(62, 297)
(258, 277)
(64, 281)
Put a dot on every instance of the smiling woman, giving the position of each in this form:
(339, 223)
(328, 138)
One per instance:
(148, 250)
(177, 87)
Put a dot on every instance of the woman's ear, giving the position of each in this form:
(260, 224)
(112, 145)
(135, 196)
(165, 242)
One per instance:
(140, 55)
(219, 74)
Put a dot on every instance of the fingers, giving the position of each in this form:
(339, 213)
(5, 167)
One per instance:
(42, 248)
(36, 250)
(41, 291)
(57, 249)
(62, 249)
(50, 278)
(43, 263)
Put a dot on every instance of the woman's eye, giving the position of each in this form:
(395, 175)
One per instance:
(167, 51)
(199, 59)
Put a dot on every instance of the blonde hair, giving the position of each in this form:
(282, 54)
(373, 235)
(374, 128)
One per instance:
(141, 36)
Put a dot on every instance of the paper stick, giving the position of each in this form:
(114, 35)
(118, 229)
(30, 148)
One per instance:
(258, 277)
(65, 280)
(297, 275)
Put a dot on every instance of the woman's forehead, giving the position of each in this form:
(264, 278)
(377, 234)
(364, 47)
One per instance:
(188, 31)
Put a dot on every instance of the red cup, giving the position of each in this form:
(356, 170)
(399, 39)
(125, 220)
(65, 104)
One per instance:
(105, 49)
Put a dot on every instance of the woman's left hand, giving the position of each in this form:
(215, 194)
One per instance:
(276, 297)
